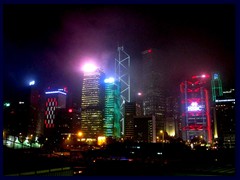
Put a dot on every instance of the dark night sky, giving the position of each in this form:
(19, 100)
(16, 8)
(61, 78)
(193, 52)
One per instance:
(49, 43)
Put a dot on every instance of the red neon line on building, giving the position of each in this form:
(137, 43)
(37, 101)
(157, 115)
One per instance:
(208, 117)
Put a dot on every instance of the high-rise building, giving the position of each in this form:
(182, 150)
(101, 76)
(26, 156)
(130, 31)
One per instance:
(130, 112)
(112, 114)
(92, 102)
(172, 122)
(139, 104)
(195, 100)
(37, 109)
(144, 129)
(154, 86)
(216, 85)
(122, 74)
(225, 118)
(68, 121)
(55, 99)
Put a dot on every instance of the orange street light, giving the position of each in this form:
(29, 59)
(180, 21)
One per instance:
(80, 134)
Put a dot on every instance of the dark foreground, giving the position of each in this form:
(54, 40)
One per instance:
(126, 163)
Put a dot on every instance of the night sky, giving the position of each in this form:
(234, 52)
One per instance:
(49, 43)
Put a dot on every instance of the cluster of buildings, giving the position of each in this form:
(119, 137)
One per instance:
(203, 109)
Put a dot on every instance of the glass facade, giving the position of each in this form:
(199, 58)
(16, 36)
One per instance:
(112, 109)
(92, 104)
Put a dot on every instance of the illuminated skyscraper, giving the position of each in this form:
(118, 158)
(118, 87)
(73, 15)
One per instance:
(195, 109)
(92, 102)
(122, 74)
(216, 84)
(112, 114)
(55, 99)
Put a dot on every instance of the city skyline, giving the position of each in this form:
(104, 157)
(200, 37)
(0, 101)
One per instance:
(119, 89)
(49, 43)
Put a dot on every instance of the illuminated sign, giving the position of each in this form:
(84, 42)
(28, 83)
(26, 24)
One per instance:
(31, 83)
(7, 104)
(194, 107)
(215, 76)
(225, 100)
(55, 92)
(109, 80)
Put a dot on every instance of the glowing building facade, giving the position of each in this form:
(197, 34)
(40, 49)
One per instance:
(122, 74)
(216, 84)
(55, 99)
(92, 102)
(112, 115)
(195, 108)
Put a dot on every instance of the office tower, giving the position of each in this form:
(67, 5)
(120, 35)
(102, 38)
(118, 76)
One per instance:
(226, 120)
(139, 104)
(23, 113)
(68, 121)
(154, 86)
(172, 123)
(216, 84)
(195, 108)
(92, 102)
(144, 129)
(122, 74)
(55, 99)
(130, 112)
(35, 125)
(112, 108)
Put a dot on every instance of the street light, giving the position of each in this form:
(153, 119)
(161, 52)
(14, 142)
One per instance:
(80, 134)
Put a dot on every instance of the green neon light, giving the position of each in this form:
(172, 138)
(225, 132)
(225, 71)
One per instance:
(112, 111)
(216, 84)
(7, 104)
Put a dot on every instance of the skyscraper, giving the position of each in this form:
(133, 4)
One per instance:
(195, 108)
(112, 113)
(144, 129)
(130, 112)
(172, 123)
(55, 99)
(35, 125)
(216, 84)
(92, 102)
(122, 74)
(226, 121)
(154, 86)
